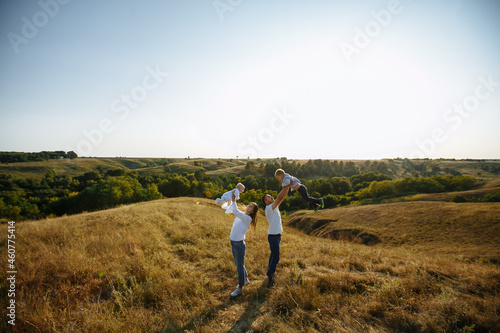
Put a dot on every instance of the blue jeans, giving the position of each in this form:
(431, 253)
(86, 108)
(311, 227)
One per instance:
(274, 257)
(239, 248)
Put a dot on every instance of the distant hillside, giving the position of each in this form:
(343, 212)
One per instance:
(35, 190)
(72, 167)
(395, 168)
(468, 229)
(491, 186)
(79, 166)
(166, 266)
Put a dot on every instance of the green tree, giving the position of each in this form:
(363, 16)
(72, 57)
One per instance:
(250, 166)
(381, 189)
(71, 154)
(175, 187)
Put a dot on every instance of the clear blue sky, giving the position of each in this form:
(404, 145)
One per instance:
(226, 78)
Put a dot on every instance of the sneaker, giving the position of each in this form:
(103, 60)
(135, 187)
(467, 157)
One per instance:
(271, 281)
(316, 208)
(237, 292)
(321, 203)
(247, 281)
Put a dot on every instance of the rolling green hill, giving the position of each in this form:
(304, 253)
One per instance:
(397, 168)
(166, 266)
(69, 167)
(54, 187)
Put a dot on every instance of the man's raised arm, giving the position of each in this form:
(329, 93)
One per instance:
(281, 197)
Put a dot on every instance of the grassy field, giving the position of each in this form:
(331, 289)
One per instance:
(470, 230)
(166, 266)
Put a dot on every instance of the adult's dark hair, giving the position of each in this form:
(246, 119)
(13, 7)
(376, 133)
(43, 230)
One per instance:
(264, 199)
(254, 215)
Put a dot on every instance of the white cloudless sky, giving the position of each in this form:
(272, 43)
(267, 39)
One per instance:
(226, 78)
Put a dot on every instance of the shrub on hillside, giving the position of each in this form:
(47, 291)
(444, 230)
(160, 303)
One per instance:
(458, 198)
(492, 197)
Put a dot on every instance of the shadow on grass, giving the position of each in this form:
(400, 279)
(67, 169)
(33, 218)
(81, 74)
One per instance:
(251, 313)
(241, 325)
(203, 319)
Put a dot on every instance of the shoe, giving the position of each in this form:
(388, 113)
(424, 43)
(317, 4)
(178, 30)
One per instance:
(316, 208)
(247, 281)
(271, 281)
(237, 292)
(321, 203)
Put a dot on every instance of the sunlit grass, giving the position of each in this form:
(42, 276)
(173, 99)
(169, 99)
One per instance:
(166, 266)
(470, 230)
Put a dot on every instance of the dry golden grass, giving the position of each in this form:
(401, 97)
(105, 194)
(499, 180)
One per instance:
(467, 229)
(166, 266)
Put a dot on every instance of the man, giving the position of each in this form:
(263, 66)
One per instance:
(275, 230)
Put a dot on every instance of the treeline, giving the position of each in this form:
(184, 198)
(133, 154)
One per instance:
(370, 188)
(318, 167)
(13, 157)
(56, 195)
(395, 168)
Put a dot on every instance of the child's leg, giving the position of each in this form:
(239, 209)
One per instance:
(303, 192)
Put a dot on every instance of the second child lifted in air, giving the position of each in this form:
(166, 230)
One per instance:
(226, 198)
(295, 184)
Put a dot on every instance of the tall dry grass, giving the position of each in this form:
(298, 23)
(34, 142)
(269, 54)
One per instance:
(166, 266)
(467, 229)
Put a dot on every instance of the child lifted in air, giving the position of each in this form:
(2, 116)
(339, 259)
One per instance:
(226, 198)
(295, 184)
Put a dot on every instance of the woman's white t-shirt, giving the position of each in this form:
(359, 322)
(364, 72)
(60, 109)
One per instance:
(240, 224)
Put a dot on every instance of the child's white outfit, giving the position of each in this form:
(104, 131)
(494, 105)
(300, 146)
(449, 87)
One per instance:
(226, 200)
(290, 180)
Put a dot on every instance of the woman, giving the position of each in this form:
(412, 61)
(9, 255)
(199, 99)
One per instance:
(237, 237)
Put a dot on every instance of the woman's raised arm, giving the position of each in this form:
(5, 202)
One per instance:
(242, 216)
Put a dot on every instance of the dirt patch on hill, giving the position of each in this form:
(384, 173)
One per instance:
(318, 228)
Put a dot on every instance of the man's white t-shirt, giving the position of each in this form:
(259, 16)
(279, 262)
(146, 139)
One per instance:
(274, 219)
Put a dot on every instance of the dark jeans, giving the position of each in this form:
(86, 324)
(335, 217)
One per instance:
(312, 201)
(274, 257)
(239, 248)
